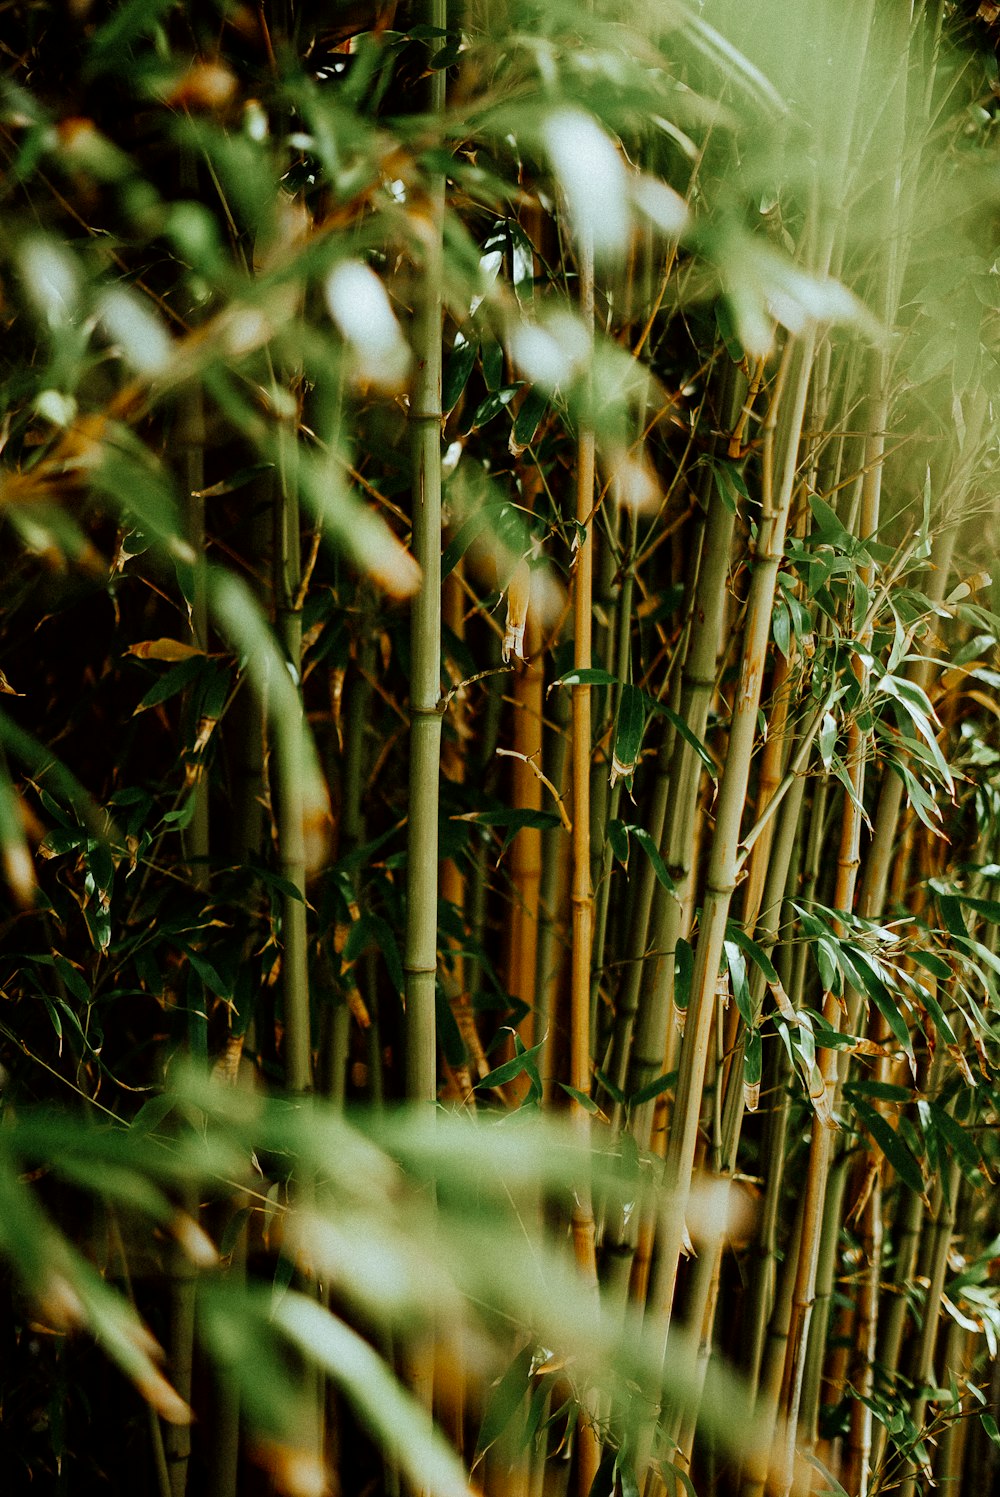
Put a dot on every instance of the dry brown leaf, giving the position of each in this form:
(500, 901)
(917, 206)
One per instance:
(170, 650)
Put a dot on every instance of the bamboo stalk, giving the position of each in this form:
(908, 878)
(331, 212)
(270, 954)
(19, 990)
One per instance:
(772, 894)
(420, 956)
(453, 761)
(723, 866)
(191, 437)
(941, 1227)
(648, 994)
(552, 937)
(526, 852)
(619, 652)
(581, 895)
(289, 800)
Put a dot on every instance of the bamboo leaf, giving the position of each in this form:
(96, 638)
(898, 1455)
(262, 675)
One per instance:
(891, 1145)
(753, 1062)
(651, 850)
(505, 1399)
(691, 739)
(513, 820)
(653, 1089)
(683, 972)
(164, 649)
(757, 954)
(591, 676)
(512, 1068)
(959, 1142)
(528, 420)
(738, 977)
(592, 177)
(587, 1103)
(629, 729)
(493, 404)
(678, 1477)
(172, 682)
(833, 1489)
(379, 1400)
(618, 838)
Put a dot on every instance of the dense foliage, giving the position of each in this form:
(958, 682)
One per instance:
(498, 502)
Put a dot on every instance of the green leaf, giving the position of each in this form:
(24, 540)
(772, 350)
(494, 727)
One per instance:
(891, 1145)
(618, 838)
(782, 629)
(651, 850)
(460, 364)
(614, 1092)
(626, 1476)
(757, 954)
(728, 331)
(871, 982)
(753, 1065)
(73, 979)
(505, 1399)
(678, 1478)
(237, 480)
(528, 418)
(592, 676)
(587, 1103)
(883, 1090)
(629, 728)
(493, 405)
(60, 841)
(449, 1036)
(180, 818)
(492, 361)
(738, 977)
(379, 1399)
(691, 739)
(446, 56)
(830, 530)
(960, 1143)
(172, 681)
(933, 964)
(652, 1089)
(511, 1068)
(834, 1489)
(513, 820)
(207, 972)
(683, 971)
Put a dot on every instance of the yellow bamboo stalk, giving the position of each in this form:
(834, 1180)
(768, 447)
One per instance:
(584, 1243)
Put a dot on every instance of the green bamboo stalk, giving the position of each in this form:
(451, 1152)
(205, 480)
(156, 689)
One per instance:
(647, 997)
(766, 932)
(190, 439)
(647, 988)
(286, 755)
(359, 694)
(941, 1228)
(848, 864)
(826, 1268)
(949, 1462)
(420, 956)
(723, 863)
(768, 1393)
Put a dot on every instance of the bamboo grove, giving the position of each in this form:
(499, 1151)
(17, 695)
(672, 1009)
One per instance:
(499, 764)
